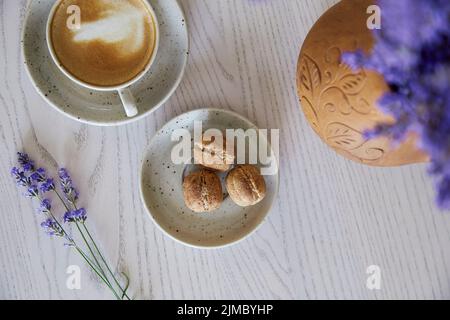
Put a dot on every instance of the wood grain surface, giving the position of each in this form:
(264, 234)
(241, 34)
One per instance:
(332, 219)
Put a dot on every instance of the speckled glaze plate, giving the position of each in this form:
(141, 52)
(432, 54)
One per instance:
(162, 193)
(105, 108)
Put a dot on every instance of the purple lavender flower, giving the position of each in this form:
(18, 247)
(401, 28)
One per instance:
(45, 206)
(25, 161)
(410, 24)
(412, 52)
(443, 189)
(21, 178)
(52, 228)
(75, 215)
(355, 60)
(70, 193)
(47, 185)
(32, 191)
(39, 175)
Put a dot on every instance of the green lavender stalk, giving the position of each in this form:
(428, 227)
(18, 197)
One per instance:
(59, 230)
(71, 196)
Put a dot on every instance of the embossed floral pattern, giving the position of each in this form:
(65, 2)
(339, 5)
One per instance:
(336, 89)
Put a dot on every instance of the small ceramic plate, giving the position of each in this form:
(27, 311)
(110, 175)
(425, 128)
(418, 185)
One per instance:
(162, 193)
(105, 108)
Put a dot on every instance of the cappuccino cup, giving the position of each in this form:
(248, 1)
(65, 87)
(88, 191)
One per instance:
(104, 45)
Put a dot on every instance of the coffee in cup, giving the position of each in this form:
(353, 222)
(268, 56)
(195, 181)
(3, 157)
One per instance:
(114, 43)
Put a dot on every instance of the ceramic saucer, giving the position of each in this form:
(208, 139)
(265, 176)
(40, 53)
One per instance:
(104, 108)
(162, 194)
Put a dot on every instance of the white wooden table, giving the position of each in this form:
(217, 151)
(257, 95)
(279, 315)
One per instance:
(332, 219)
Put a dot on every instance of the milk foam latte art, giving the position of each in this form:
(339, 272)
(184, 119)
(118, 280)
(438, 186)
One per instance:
(113, 45)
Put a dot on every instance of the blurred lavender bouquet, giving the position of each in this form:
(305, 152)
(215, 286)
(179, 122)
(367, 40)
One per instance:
(412, 52)
(39, 186)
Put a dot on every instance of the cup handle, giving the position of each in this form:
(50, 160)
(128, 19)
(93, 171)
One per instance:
(128, 101)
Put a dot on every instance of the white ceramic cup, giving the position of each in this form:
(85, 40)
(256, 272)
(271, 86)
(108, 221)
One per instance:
(128, 100)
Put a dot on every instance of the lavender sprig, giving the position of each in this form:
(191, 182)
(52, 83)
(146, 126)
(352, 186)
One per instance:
(78, 216)
(412, 52)
(36, 182)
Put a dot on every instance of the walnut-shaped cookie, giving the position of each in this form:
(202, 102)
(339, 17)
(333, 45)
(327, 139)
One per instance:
(245, 185)
(213, 155)
(202, 191)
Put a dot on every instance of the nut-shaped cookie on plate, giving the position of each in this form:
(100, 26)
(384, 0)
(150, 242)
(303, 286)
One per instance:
(213, 155)
(202, 191)
(245, 185)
